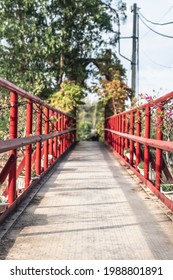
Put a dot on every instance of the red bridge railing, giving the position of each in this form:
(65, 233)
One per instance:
(37, 136)
(135, 132)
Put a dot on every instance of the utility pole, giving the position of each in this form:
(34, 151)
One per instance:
(134, 50)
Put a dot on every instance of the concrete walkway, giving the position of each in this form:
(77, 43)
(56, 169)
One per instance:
(90, 208)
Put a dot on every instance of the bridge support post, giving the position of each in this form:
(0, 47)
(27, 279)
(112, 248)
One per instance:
(28, 153)
(51, 140)
(146, 148)
(38, 145)
(12, 135)
(159, 136)
(46, 143)
(132, 133)
(138, 133)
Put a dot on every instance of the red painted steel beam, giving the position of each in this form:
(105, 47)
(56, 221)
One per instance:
(132, 133)
(123, 130)
(161, 144)
(11, 87)
(28, 151)
(38, 145)
(157, 101)
(5, 171)
(7, 145)
(159, 136)
(55, 147)
(12, 136)
(46, 143)
(138, 133)
(146, 147)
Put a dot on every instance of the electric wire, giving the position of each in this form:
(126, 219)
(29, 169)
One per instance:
(159, 20)
(154, 62)
(155, 23)
(158, 33)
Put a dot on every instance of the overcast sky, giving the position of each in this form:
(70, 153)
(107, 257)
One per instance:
(155, 51)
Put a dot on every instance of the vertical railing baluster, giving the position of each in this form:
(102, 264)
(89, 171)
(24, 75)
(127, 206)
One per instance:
(159, 136)
(38, 144)
(55, 147)
(127, 130)
(113, 135)
(46, 143)
(51, 129)
(59, 137)
(120, 129)
(28, 153)
(123, 130)
(116, 136)
(147, 135)
(65, 136)
(62, 136)
(132, 133)
(138, 133)
(12, 135)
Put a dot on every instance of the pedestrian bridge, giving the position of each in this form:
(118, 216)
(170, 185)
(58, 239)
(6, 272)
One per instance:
(88, 200)
(90, 207)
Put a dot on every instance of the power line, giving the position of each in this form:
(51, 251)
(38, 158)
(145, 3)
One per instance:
(155, 23)
(170, 8)
(154, 62)
(158, 33)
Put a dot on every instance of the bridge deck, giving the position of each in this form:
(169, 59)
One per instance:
(90, 208)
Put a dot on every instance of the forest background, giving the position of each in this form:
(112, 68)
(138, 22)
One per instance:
(63, 51)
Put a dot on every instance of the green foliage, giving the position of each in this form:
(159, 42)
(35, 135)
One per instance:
(68, 98)
(42, 41)
(90, 116)
(167, 187)
(141, 165)
(84, 130)
(4, 116)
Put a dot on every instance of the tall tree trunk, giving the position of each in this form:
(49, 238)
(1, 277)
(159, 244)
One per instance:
(61, 71)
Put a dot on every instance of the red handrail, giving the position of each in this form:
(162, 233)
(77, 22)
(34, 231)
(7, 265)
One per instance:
(54, 132)
(124, 131)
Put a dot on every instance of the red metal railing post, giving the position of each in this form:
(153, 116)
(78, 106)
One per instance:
(116, 136)
(51, 140)
(123, 130)
(28, 153)
(147, 135)
(12, 135)
(46, 143)
(62, 136)
(68, 134)
(75, 133)
(138, 133)
(131, 132)
(59, 137)
(55, 148)
(38, 144)
(113, 135)
(120, 130)
(65, 136)
(63, 128)
(159, 136)
(126, 130)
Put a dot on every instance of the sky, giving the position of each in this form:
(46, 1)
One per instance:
(155, 51)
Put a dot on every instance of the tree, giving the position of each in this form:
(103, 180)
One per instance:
(68, 98)
(23, 42)
(112, 89)
(44, 41)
